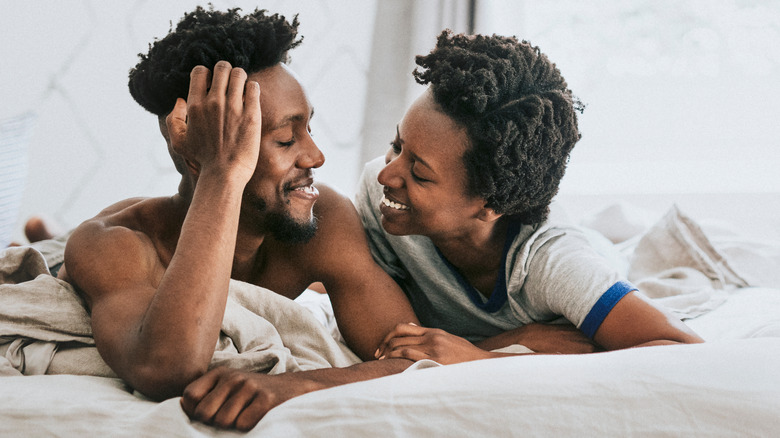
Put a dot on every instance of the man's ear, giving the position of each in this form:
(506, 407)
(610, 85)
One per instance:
(192, 167)
(164, 129)
(487, 214)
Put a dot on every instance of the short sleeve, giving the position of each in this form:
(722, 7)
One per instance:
(565, 276)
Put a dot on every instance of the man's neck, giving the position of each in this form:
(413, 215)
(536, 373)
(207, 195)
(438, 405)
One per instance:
(250, 254)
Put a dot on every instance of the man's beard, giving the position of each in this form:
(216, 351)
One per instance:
(287, 230)
(281, 225)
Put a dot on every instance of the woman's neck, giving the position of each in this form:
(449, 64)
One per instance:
(477, 254)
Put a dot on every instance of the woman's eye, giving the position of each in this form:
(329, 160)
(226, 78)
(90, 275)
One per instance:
(396, 147)
(287, 143)
(417, 178)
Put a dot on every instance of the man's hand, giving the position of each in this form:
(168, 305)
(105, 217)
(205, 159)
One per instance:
(230, 398)
(219, 127)
(415, 343)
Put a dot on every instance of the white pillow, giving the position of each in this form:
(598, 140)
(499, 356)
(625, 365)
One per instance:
(15, 132)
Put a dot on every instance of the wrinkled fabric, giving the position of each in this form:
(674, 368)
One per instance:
(45, 327)
(675, 263)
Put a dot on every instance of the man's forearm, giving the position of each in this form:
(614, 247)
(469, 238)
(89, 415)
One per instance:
(181, 326)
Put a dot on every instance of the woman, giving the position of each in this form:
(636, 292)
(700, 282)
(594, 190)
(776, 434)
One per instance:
(458, 215)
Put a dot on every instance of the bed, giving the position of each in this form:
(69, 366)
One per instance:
(726, 287)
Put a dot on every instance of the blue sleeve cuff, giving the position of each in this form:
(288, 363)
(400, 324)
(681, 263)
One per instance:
(604, 305)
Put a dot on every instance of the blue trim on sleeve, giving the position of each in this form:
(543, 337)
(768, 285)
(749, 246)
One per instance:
(604, 305)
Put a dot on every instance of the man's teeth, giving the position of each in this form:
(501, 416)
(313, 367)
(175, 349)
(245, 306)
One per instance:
(308, 189)
(394, 205)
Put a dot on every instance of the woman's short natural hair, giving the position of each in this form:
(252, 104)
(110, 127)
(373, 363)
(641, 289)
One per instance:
(519, 114)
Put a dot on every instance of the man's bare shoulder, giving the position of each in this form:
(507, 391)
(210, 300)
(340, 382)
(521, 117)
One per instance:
(332, 204)
(340, 236)
(109, 247)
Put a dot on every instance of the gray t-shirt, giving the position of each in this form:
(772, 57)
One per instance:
(551, 271)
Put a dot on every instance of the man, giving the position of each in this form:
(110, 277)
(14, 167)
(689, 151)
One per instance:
(155, 271)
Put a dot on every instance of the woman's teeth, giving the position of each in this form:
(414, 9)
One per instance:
(394, 205)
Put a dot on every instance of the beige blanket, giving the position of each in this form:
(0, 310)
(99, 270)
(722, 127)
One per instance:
(45, 327)
(677, 264)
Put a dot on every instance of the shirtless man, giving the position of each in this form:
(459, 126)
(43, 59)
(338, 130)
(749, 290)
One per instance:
(155, 271)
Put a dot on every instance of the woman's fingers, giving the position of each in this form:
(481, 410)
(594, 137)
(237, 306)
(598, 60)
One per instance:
(413, 353)
(399, 331)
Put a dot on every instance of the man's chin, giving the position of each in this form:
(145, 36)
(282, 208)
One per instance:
(288, 230)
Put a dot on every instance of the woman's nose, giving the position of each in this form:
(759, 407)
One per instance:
(390, 176)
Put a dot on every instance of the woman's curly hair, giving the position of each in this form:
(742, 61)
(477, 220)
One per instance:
(204, 37)
(518, 113)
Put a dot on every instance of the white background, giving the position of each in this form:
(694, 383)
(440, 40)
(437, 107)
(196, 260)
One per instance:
(682, 97)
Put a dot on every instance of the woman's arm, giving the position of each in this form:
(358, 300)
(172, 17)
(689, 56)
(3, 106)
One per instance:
(636, 322)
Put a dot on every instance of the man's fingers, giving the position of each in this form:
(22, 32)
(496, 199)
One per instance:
(251, 415)
(200, 80)
(252, 97)
(176, 122)
(220, 78)
(211, 403)
(235, 90)
(197, 390)
(229, 411)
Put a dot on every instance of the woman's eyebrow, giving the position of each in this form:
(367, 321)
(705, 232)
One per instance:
(415, 156)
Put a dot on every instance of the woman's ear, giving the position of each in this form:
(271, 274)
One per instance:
(487, 214)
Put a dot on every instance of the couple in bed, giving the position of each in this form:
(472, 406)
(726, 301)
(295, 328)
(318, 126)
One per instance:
(455, 214)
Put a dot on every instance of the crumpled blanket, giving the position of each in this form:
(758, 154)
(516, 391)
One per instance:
(688, 267)
(675, 263)
(45, 327)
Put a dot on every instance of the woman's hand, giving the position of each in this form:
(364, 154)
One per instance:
(415, 343)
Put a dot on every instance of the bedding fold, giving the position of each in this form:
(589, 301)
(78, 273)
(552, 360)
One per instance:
(45, 327)
(675, 263)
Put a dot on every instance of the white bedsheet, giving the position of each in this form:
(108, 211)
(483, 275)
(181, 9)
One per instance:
(722, 388)
(728, 386)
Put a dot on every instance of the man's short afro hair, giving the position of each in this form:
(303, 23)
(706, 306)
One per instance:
(204, 37)
(518, 113)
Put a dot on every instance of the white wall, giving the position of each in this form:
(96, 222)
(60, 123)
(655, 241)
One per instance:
(682, 97)
(93, 145)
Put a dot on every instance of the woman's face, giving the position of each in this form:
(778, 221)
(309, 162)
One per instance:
(424, 177)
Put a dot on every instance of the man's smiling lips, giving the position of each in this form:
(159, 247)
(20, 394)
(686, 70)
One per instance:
(304, 189)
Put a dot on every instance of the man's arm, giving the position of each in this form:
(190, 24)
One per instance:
(156, 326)
(367, 303)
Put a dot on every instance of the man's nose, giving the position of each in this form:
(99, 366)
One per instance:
(311, 156)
